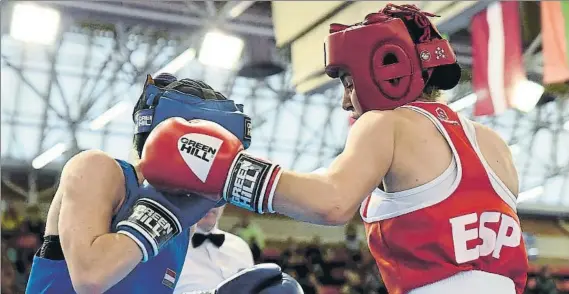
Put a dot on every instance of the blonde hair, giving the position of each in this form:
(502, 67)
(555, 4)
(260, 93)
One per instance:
(431, 94)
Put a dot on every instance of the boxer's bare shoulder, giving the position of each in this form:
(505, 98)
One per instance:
(91, 186)
(498, 156)
(422, 153)
(369, 150)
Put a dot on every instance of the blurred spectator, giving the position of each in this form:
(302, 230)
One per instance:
(9, 283)
(291, 273)
(319, 268)
(351, 238)
(255, 249)
(252, 234)
(9, 251)
(298, 262)
(313, 253)
(309, 285)
(530, 286)
(27, 244)
(330, 270)
(544, 283)
(296, 266)
(26, 240)
(11, 222)
(372, 282)
(353, 243)
(353, 284)
(291, 247)
(312, 285)
(34, 221)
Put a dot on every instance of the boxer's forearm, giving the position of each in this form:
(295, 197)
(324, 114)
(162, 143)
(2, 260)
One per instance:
(313, 198)
(108, 260)
(333, 197)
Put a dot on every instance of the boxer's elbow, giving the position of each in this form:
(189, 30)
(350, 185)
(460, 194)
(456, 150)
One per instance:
(87, 287)
(337, 211)
(89, 278)
(334, 205)
(86, 282)
(88, 275)
(313, 198)
(336, 216)
(338, 199)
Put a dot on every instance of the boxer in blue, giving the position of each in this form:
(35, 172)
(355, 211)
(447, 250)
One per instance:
(109, 231)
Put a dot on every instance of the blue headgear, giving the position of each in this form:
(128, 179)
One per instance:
(160, 103)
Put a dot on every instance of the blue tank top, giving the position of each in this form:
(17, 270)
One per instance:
(158, 275)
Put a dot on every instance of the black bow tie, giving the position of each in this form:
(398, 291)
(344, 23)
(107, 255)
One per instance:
(215, 239)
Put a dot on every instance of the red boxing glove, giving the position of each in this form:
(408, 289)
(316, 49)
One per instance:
(203, 157)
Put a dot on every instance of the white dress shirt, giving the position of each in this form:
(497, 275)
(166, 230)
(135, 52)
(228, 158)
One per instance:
(207, 265)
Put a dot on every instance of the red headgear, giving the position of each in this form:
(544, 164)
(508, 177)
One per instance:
(388, 67)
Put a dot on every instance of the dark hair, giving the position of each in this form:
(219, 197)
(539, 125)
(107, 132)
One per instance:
(167, 81)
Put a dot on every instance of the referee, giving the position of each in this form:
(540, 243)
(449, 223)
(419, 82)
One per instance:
(213, 256)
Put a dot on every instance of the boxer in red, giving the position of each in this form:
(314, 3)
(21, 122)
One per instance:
(445, 221)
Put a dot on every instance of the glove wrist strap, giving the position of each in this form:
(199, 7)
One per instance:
(251, 183)
(150, 225)
(270, 195)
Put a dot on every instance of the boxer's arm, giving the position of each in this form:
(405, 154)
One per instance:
(92, 185)
(332, 198)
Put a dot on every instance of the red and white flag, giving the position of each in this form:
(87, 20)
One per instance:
(497, 62)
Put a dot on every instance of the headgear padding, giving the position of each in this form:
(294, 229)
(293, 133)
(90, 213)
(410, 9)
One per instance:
(392, 56)
(167, 97)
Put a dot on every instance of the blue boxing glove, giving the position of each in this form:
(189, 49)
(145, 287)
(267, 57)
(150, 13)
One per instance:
(152, 219)
(264, 278)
